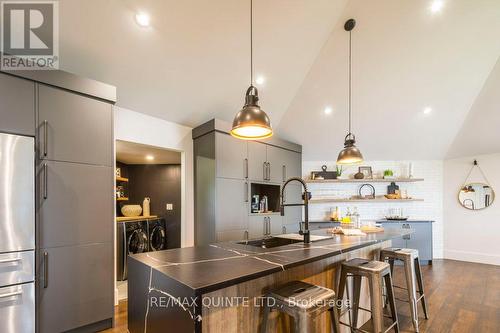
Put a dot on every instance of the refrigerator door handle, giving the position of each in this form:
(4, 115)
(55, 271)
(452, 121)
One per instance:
(14, 293)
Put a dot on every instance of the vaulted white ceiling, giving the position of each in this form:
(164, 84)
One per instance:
(193, 65)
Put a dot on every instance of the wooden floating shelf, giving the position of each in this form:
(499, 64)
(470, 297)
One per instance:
(134, 218)
(122, 179)
(396, 180)
(317, 201)
(122, 199)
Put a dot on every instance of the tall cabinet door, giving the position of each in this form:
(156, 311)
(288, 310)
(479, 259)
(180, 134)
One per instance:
(74, 205)
(231, 204)
(74, 128)
(257, 168)
(231, 157)
(276, 158)
(293, 164)
(75, 289)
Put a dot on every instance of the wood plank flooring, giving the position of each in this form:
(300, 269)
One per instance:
(462, 298)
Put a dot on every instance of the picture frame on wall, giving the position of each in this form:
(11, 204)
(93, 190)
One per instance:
(366, 171)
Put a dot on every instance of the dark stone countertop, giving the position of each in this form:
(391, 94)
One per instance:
(207, 268)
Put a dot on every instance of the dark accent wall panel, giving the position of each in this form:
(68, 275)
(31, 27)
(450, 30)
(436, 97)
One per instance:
(162, 183)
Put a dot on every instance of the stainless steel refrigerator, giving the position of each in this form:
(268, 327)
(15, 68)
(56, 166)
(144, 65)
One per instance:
(17, 234)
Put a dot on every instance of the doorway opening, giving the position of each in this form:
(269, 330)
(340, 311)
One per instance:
(148, 203)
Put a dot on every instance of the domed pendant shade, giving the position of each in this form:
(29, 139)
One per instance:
(350, 154)
(251, 122)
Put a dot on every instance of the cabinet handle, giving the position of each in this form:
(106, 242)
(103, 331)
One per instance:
(45, 181)
(45, 136)
(245, 235)
(6, 261)
(45, 270)
(246, 191)
(268, 170)
(284, 173)
(283, 230)
(264, 170)
(265, 227)
(246, 168)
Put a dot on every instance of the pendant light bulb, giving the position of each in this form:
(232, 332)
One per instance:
(251, 122)
(350, 154)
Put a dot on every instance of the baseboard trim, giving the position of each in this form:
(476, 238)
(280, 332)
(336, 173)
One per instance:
(470, 256)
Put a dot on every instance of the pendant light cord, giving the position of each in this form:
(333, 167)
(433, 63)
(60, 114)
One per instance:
(350, 84)
(251, 42)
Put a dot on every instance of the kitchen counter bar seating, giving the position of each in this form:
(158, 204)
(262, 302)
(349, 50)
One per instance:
(304, 302)
(376, 272)
(412, 271)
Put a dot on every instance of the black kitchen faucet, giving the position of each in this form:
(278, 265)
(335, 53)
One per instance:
(305, 197)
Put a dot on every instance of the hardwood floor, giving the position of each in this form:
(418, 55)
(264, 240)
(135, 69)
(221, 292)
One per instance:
(462, 298)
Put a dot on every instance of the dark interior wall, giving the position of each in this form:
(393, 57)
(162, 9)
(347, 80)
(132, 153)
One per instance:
(162, 183)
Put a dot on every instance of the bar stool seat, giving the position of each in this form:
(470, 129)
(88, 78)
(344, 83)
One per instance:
(304, 302)
(411, 266)
(375, 272)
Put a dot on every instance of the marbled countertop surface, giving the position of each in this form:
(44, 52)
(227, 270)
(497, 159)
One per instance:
(207, 268)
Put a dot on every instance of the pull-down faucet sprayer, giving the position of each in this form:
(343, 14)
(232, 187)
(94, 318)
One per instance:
(305, 197)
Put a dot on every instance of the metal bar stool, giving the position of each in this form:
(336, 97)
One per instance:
(412, 270)
(304, 302)
(375, 272)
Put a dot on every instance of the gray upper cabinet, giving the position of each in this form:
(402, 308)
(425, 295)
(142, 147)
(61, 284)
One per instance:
(17, 112)
(75, 204)
(74, 128)
(231, 156)
(276, 158)
(293, 164)
(77, 288)
(257, 161)
(231, 204)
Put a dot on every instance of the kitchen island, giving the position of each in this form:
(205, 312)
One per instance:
(219, 287)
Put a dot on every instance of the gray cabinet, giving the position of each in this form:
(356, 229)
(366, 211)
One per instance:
(74, 128)
(231, 157)
(74, 205)
(75, 202)
(231, 204)
(76, 289)
(17, 112)
(421, 239)
(257, 161)
(224, 169)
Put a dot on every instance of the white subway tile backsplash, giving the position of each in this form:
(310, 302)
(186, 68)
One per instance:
(431, 190)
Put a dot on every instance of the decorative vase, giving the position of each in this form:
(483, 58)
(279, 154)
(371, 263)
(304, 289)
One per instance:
(131, 210)
(146, 206)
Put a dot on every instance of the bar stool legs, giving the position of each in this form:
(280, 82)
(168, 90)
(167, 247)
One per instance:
(413, 277)
(376, 272)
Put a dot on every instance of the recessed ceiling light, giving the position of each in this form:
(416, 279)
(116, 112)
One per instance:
(150, 157)
(427, 110)
(260, 80)
(328, 110)
(437, 5)
(143, 19)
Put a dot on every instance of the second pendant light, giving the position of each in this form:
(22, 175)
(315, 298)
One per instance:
(350, 154)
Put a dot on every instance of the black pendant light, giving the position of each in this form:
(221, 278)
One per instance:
(350, 154)
(251, 122)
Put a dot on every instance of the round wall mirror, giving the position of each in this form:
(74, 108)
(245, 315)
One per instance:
(476, 196)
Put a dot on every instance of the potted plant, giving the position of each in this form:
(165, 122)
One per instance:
(388, 174)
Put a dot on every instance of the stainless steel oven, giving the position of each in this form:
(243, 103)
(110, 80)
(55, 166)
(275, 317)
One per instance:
(17, 234)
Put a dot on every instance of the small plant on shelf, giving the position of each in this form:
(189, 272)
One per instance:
(388, 174)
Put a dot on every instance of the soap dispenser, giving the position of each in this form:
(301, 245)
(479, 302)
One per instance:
(146, 207)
